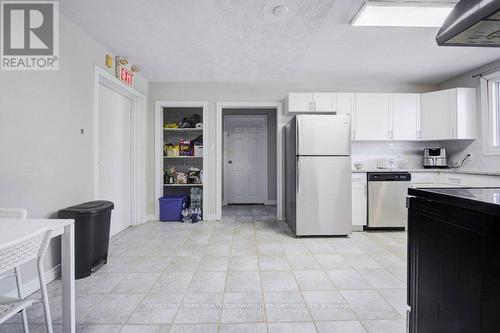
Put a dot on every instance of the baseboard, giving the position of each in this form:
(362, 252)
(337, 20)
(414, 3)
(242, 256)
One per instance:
(210, 217)
(270, 202)
(151, 217)
(33, 285)
(357, 228)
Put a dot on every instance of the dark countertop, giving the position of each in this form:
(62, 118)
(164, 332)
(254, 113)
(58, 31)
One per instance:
(482, 199)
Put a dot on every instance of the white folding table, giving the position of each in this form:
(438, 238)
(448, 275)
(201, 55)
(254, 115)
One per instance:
(15, 230)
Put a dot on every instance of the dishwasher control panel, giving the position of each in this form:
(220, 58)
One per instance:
(389, 176)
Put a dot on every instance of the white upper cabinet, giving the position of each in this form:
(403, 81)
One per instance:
(405, 117)
(346, 106)
(449, 114)
(312, 102)
(325, 102)
(300, 102)
(441, 115)
(372, 116)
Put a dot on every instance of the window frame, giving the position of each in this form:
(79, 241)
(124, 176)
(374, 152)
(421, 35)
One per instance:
(491, 112)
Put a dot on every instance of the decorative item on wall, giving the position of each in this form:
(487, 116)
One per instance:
(109, 61)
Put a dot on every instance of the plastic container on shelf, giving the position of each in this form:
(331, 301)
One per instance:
(198, 151)
(171, 207)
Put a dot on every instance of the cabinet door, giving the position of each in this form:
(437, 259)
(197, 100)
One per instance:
(372, 116)
(300, 102)
(438, 115)
(405, 116)
(325, 102)
(345, 106)
(358, 204)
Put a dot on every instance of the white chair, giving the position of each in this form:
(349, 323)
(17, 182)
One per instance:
(11, 258)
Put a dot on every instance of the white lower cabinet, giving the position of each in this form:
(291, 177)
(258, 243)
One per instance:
(424, 179)
(450, 179)
(359, 201)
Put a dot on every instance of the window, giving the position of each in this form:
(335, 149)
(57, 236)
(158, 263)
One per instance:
(495, 110)
(490, 87)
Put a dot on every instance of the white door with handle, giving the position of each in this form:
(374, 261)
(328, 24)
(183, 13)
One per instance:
(245, 159)
(114, 155)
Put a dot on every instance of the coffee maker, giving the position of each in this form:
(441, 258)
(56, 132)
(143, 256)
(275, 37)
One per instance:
(435, 158)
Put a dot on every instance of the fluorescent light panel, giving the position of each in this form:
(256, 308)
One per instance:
(401, 14)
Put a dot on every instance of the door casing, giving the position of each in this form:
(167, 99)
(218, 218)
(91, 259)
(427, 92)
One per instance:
(137, 142)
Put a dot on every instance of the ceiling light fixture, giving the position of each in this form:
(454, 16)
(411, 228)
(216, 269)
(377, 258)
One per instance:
(402, 14)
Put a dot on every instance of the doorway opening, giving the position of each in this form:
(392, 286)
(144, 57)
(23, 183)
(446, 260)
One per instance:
(249, 159)
(249, 168)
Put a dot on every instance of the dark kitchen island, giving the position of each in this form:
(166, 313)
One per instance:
(454, 260)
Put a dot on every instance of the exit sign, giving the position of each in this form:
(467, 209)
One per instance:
(125, 75)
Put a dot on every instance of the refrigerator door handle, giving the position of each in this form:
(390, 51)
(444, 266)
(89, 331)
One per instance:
(297, 148)
(297, 175)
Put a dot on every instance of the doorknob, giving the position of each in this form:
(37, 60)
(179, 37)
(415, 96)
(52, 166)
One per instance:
(230, 162)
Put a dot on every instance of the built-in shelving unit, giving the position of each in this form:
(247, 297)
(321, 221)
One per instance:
(168, 115)
(173, 115)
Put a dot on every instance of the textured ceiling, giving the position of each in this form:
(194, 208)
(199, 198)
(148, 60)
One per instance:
(240, 40)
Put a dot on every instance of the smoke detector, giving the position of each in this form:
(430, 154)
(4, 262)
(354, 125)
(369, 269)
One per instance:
(280, 10)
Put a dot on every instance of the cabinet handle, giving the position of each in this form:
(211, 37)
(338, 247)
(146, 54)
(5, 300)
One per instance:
(311, 106)
(419, 135)
(454, 180)
(314, 104)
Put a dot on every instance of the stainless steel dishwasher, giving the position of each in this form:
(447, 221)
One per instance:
(387, 193)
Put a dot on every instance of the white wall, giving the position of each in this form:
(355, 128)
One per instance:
(45, 163)
(460, 149)
(241, 92)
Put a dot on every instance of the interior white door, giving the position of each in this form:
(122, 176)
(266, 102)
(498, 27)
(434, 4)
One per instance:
(114, 149)
(246, 160)
(405, 116)
(372, 116)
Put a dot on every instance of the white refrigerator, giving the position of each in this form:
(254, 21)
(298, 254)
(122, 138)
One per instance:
(318, 175)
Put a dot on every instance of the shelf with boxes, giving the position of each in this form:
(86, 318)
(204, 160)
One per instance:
(182, 164)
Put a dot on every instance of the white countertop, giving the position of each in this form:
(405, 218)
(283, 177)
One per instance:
(458, 171)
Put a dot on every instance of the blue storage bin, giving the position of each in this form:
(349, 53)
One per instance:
(171, 207)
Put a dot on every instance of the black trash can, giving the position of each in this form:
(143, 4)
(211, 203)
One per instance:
(92, 220)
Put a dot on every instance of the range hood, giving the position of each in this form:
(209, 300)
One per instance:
(472, 23)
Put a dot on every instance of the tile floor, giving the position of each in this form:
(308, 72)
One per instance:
(243, 274)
